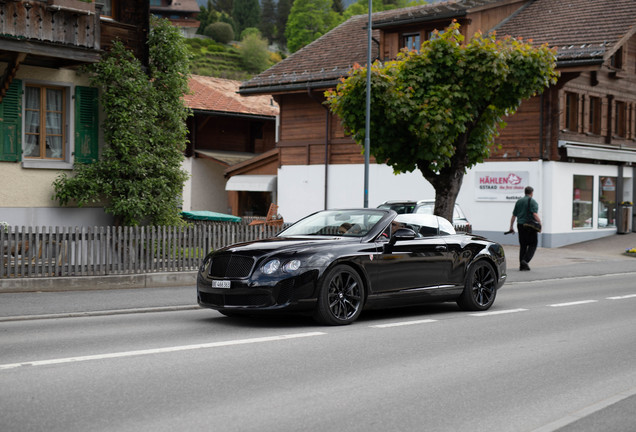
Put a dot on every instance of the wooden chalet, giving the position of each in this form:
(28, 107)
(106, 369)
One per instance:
(225, 131)
(49, 114)
(575, 143)
(181, 13)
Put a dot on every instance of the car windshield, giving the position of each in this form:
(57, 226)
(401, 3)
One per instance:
(345, 223)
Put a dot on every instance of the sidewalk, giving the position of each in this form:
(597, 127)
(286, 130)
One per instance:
(590, 258)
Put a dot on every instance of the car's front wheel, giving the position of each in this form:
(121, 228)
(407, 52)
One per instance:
(480, 288)
(341, 297)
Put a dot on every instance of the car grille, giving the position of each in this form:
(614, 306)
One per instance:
(231, 266)
(221, 300)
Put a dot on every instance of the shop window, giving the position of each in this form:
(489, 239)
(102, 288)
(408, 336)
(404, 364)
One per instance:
(595, 115)
(607, 202)
(620, 120)
(571, 111)
(583, 190)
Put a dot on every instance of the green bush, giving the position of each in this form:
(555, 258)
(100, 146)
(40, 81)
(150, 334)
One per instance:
(220, 32)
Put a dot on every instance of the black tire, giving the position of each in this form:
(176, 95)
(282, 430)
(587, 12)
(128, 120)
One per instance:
(341, 297)
(480, 289)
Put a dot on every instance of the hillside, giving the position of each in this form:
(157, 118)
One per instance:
(210, 58)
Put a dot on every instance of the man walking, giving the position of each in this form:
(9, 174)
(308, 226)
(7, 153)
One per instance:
(525, 210)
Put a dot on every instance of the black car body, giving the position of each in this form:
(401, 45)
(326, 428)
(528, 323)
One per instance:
(383, 260)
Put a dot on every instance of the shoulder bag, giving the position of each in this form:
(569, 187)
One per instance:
(532, 222)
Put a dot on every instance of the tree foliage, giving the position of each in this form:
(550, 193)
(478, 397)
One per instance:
(439, 110)
(138, 176)
(246, 13)
(308, 20)
(221, 32)
(254, 53)
(267, 25)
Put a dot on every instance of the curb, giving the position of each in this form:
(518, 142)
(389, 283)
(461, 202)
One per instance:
(86, 283)
(98, 313)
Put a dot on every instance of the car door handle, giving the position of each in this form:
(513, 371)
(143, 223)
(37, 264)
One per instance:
(440, 248)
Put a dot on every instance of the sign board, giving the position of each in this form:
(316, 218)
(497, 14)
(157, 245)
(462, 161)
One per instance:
(500, 185)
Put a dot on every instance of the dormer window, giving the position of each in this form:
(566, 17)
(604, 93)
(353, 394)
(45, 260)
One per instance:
(616, 60)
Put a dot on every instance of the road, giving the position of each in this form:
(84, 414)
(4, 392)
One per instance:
(551, 355)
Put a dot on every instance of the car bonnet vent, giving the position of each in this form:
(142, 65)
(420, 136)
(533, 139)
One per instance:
(231, 266)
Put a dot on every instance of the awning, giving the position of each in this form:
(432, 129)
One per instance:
(226, 158)
(254, 183)
(210, 216)
(586, 151)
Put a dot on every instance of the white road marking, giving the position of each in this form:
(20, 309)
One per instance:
(507, 311)
(573, 303)
(160, 350)
(403, 323)
(622, 297)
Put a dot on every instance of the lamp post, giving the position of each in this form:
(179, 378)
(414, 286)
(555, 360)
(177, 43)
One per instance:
(367, 129)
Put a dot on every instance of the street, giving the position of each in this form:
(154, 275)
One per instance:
(550, 355)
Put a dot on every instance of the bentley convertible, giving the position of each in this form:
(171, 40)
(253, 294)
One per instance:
(335, 263)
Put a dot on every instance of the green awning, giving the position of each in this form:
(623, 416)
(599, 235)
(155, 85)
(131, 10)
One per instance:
(210, 216)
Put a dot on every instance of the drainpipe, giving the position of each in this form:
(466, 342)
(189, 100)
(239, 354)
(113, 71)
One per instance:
(311, 95)
(619, 199)
(541, 128)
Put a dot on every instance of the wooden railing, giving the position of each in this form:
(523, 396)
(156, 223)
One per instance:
(93, 251)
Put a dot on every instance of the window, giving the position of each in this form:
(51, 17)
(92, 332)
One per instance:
(571, 111)
(595, 115)
(620, 119)
(582, 201)
(107, 7)
(616, 60)
(411, 41)
(44, 122)
(607, 202)
(35, 122)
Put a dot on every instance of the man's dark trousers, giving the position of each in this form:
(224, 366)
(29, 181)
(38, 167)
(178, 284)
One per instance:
(528, 240)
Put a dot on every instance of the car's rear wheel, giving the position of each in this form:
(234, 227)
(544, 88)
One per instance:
(341, 297)
(480, 289)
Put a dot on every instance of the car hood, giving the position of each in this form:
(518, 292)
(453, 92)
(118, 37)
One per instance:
(286, 244)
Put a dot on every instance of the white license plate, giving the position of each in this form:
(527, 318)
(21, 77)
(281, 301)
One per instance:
(220, 284)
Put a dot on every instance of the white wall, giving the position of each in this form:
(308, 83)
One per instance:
(205, 189)
(301, 191)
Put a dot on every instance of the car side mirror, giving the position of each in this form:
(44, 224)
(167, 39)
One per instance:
(401, 235)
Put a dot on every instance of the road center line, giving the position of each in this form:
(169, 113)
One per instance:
(622, 297)
(403, 323)
(507, 311)
(160, 350)
(573, 303)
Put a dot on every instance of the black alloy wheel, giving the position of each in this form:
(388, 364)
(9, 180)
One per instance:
(480, 289)
(341, 297)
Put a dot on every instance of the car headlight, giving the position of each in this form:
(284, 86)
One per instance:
(271, 266)
(205, 263)
(291, 266)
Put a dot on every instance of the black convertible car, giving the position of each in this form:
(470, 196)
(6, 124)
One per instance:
(334, 263)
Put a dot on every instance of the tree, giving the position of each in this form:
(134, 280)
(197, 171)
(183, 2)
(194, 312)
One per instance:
(223, 5)
(254, 53)
(221, 32)
(308, 20)
(138, 176)
(282, 15)
(206, 17)
(246, 13)
(267, 25)
(439, 110)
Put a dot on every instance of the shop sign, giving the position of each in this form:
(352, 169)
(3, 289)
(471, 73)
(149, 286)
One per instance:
(501, 185)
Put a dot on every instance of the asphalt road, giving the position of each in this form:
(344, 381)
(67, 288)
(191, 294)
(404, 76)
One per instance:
(553, 354)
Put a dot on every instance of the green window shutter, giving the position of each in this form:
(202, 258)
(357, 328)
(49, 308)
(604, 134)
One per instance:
(11, 123)
(86, 124)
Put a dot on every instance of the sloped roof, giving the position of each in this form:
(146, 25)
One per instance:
(321, 63)
(178, 6)
(581, 30)
(221, 95)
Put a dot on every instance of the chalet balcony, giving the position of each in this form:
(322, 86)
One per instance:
(51, 33)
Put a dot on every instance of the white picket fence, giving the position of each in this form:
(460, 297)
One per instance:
(92, 251)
